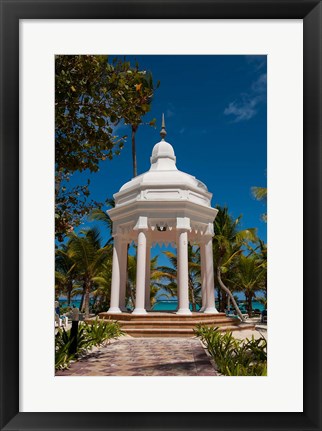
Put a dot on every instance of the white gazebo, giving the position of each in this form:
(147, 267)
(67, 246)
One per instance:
(163, 205)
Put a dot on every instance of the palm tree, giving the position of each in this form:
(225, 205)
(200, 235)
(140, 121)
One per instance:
(262, 300)
(85, 250)
(169, 274)
(98, 214)
(144, 89)
(261, 256)
(260, 194)
(102, 285)
(131, 279)
(249, 277)
(136, 102)
(65, 274)
(228, 244)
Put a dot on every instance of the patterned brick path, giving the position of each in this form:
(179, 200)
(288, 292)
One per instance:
(145, 357)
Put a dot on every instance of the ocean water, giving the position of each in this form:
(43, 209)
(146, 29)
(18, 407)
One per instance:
(75, 301)
(172, 305)
(165, 305)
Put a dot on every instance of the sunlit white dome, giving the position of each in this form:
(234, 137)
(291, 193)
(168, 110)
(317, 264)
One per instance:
(162, 150)
(163, 181)
(164, 174)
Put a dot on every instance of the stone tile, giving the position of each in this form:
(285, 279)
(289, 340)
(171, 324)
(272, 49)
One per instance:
(145, 357)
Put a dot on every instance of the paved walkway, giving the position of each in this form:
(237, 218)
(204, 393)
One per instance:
(145, 357)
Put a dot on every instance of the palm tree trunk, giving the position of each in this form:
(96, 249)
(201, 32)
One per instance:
(131, 294)
(193, 299)
(226, 290)
(134, 129)
(249, 304)
(86, 302)
(81, 306)
(95, 300)
(219, 298)
(69, 292)
(224, 301)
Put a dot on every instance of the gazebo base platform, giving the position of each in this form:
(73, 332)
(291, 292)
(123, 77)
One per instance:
(165, 324)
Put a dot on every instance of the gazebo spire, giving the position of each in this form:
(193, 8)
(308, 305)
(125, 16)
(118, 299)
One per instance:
(163, 132)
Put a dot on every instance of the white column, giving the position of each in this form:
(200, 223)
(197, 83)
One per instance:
(210, 283)
(148, 276)
(178, 276)
(182, 246)
(123, 275)
(140, 274)
(203, 277)
(116, 277)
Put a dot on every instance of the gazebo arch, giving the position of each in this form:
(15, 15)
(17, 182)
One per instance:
(162, 205)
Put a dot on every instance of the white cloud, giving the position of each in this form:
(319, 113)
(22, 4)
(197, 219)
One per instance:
(257, 61)
(241, 110)
(259, 86)
(246, 107)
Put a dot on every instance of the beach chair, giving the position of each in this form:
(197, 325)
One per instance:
(64, 320)
(58, 321)
(264, 316)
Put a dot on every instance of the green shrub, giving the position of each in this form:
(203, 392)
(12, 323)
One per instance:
(62, 349)
(234, 357)
(89, 335)
(100, 331)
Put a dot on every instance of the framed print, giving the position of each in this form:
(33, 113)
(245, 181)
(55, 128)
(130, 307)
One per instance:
(288, 36)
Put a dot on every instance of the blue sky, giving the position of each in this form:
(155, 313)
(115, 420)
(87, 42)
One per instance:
(216, 119)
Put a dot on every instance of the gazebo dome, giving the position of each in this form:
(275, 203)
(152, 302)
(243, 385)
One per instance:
(162, 150)
(163, 181)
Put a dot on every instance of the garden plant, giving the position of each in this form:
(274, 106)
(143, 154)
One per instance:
(234, 357)
(92, 334)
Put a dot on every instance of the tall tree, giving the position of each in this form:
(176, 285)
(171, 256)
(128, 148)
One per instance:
(90, 100)
(169, 275)
(135, 102)
(131, 279)
(249, 277)
(260, 193)
(97, 214)
(89, 257)
(228, 244)
(65, 272)
(102, 286)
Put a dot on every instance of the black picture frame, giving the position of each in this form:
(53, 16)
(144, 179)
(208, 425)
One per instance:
(11, 12)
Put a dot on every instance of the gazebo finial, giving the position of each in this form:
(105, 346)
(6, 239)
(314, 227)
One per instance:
(163, 132)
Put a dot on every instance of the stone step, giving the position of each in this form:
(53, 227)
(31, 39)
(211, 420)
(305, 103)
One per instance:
(170, 324)
(165, 324)
(159, 315)
(177, 332)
